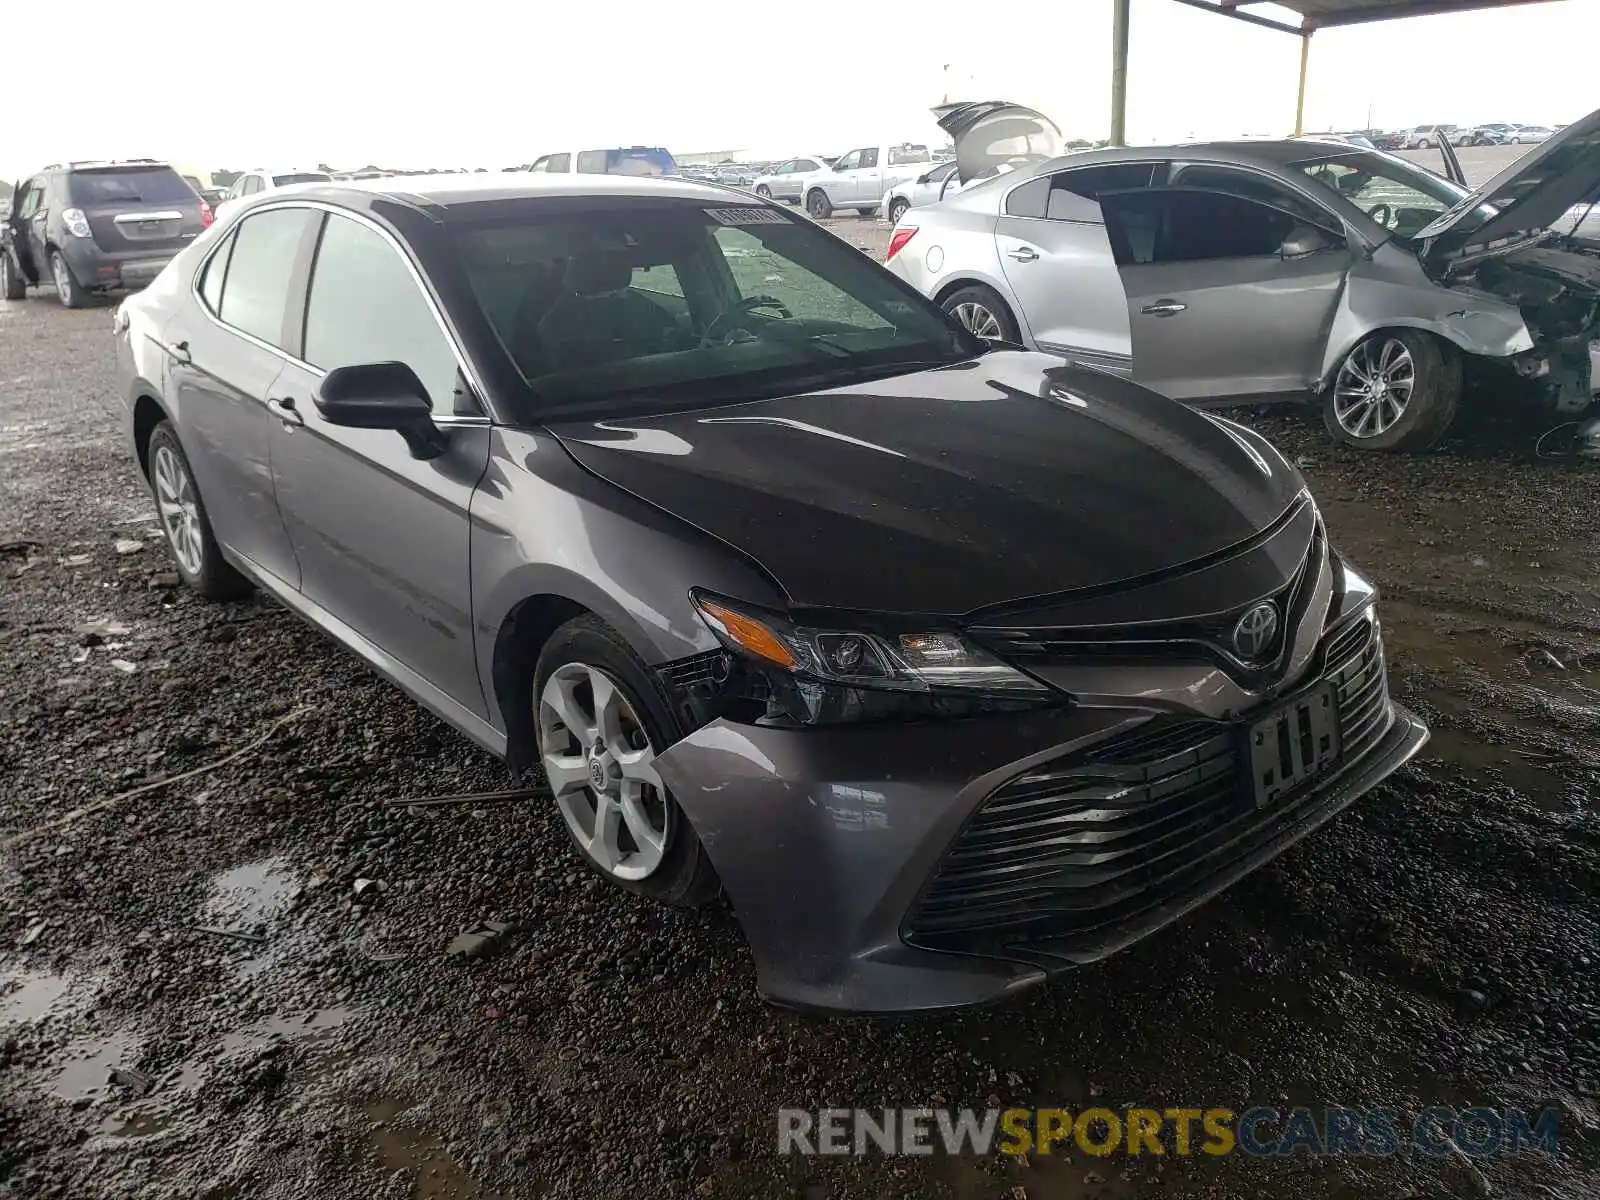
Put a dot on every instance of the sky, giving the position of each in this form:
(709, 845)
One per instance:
(494, 83)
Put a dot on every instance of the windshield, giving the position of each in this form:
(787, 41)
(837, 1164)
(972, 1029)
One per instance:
(672, 304)
(299, 177)
(149, 185)
(1398, 195)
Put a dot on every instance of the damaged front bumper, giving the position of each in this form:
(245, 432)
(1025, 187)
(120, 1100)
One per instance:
(881, 870)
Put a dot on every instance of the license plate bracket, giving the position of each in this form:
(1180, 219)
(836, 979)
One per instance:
(1292, 745)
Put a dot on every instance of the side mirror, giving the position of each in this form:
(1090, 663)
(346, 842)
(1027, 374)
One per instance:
(924, 177)
(1304, 240)
(384, 395)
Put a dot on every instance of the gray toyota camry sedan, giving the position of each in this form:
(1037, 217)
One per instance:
(952, 666)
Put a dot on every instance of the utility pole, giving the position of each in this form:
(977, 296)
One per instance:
(1119, 72)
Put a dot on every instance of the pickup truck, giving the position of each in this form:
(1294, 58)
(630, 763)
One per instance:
(860, 178)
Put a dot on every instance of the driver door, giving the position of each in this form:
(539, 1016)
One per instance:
(1215, 308)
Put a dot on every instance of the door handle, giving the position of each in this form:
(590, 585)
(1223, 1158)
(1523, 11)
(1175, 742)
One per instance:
(283, 408)
(1163, 308)
(1023, 253)
(178, 352)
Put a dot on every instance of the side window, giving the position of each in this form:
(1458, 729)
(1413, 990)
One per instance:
(559, 164)
(903, 155)
(850, 161)
(805, 164)
(592, 162)
(259, 266)
(1209, 225)
(869, 157)
(942, 172)
(661, 279)
(788, 168)
(365, 306)
(30, 200)
(1087, 183)
(1255, 187)
(216, 272)
(1030, 199)
(542, 163)
(252, 185)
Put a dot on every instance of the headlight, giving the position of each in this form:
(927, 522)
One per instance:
(824, 676)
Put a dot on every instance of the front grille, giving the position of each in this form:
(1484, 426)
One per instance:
(1076, 847)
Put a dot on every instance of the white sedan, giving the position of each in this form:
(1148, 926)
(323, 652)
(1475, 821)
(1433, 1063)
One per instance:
(928, 188)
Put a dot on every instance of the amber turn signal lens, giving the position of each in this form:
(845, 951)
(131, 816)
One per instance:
(750, 634)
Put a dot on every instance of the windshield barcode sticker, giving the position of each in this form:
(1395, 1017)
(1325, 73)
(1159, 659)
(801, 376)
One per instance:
(749, 215)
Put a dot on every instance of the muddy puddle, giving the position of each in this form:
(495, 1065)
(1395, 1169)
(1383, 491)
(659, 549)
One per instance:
(399, 1145)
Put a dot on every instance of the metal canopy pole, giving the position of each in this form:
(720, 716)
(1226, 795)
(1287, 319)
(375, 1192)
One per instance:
(1300, 98)
(1119, 72)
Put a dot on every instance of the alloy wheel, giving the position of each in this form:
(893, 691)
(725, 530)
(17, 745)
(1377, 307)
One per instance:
(180, 514)
(978, 319)
(63, 278)
(601, 768)
(1373, 387)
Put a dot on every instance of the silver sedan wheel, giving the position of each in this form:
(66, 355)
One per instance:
(601, 768)
(1373, 388)
(180, 514)
(978, 319)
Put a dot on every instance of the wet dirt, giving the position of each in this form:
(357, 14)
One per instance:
(1435, 945)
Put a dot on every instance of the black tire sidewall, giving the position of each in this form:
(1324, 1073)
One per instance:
(684, 877)
(818, 207)
(12, 284)
(75, 295)
(764, 192)
(897, 210)
(977, 293)
(216, 579)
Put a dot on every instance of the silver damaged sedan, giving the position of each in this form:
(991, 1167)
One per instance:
(1264, 269)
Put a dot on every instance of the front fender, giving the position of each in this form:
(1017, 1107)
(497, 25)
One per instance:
(1391, 295)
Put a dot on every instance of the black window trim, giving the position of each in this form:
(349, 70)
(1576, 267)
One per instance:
(295, 303)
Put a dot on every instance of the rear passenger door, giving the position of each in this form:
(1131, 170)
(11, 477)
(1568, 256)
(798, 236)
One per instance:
(224, 350)
(1057, 258)
(382, 538)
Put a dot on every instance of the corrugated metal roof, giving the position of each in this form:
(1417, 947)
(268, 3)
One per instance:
(1325, 14)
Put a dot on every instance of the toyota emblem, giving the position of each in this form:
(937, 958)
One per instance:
(1254, 633)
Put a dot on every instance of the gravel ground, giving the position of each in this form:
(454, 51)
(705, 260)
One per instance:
(1433, 945)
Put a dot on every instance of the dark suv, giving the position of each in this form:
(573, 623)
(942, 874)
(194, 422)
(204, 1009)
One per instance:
(90, 227)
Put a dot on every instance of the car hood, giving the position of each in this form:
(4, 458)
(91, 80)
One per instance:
(1530, 195)
(992, 133)
(951, 490)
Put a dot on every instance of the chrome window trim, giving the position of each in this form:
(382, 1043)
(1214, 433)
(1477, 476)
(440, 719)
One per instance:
(465, 367)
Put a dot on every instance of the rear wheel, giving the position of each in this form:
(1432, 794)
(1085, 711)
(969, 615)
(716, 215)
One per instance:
(601, 719)
(67, 288)
(897, 209)
(982, 311)
(12, 285)
(183, 519)
(1396, 390)
(764, 192)
(818, 206)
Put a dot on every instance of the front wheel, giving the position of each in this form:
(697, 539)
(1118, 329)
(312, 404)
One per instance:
(764, 192)
(1425, 144)
(12, 285)
(983, 312)
(601, 719)
(897, 209)
(818, 206)
(67, 288)
(1396, 390)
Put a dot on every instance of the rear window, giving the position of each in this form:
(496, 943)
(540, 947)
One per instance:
(129, 185)
(633, 160)
(300, 177)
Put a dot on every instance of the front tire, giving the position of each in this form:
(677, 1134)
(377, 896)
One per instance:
(764, 192)
(12, 285)
(183, 519)
(818, 206)
(1397, 390)
(601, 717)
(71, 293)
(897, 209)
(983, 312)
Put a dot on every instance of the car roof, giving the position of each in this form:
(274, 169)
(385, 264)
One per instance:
(459, 191)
